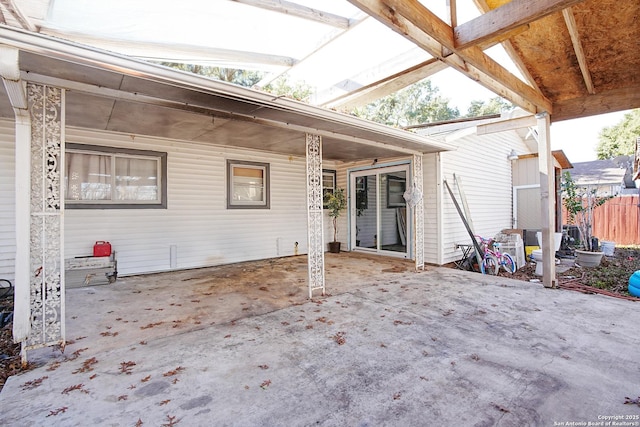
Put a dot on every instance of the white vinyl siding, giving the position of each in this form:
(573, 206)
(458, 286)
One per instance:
(196, 220)
(481, 164)
(431, 186)
(7, 201)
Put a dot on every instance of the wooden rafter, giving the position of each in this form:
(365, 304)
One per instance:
(418, 24)
(511, 51)
(453, 14)
(504, 19)
(327, 40)
(15, 11)
(294, 9)
(387, 85)
(570, 20)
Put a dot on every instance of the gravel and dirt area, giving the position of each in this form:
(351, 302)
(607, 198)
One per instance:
(611, 277)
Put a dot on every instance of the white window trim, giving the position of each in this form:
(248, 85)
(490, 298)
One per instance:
(335, 185)
(248, 204)
(114, 152)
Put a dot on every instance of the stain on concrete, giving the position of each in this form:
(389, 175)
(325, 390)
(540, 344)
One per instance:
(152, 389)
(196, 403)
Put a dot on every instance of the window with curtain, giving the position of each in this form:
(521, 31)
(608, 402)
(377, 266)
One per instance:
(328, 184)
(247, 185)
(103, 177)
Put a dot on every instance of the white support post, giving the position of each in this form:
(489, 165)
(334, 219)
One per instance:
(547, 194)
(21, 309)
(315, 232)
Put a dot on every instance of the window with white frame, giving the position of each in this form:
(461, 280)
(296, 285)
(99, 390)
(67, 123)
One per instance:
(104, 177)
(328, 184)
(247, 185)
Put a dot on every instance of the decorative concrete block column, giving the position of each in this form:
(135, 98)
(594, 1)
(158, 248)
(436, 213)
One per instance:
(315, 232)
(46, 289)
(418, 211)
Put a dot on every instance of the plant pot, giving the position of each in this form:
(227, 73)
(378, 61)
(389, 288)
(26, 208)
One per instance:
(588, 259)
(334, 247)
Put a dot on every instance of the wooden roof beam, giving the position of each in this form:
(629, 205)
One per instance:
(570, 20)
(511, 51)
(504, 19)
(453, 13)
(297, 10)
(383, 87)
(418, 24)
(15, 11)
(620, 99)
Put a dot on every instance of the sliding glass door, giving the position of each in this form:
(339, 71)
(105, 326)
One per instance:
(379, 211)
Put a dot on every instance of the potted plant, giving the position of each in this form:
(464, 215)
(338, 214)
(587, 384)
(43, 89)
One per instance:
(336, 202)
(580, 204)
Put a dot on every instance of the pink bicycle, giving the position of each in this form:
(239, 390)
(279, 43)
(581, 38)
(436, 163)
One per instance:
(493, 259)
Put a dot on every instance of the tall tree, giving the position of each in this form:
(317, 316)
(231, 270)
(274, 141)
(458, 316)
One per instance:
(245, 78)
(619, 139)
(299, 91)
(495, 105)
(416, 104)
(248, 78)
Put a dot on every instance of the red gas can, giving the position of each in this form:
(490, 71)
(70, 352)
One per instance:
(102, 249)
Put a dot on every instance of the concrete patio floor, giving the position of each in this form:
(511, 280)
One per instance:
(242, 345)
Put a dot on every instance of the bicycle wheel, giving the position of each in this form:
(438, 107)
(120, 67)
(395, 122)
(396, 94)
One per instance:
(6, 288)
(506, 261)
(489, 265)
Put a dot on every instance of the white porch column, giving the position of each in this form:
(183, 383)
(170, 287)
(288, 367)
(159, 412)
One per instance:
(315, 232)
(547, 194)
(46, 262)
(418, 211)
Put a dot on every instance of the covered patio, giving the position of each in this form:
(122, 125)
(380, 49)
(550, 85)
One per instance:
(390, 346)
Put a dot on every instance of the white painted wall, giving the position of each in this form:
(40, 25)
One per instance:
(7, 201)
(432, 190)
(197, 220)
(481, 164)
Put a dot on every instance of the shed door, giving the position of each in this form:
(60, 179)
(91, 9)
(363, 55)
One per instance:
(527, 208)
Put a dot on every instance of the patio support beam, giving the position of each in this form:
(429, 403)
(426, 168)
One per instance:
(315, 229)
(415, 22)
(547, 204)
(501, 20)
(618, 99)
(15, 88)
(390, 84)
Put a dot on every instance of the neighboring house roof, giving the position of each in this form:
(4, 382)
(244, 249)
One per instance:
(615, 171)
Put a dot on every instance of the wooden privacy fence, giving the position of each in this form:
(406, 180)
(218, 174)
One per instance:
(617, 220)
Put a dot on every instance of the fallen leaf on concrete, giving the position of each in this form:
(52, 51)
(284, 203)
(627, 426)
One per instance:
(57, 411)
(29, 385)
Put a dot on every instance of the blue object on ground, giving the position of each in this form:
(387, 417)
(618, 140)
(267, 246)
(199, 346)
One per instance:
(634, 284)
